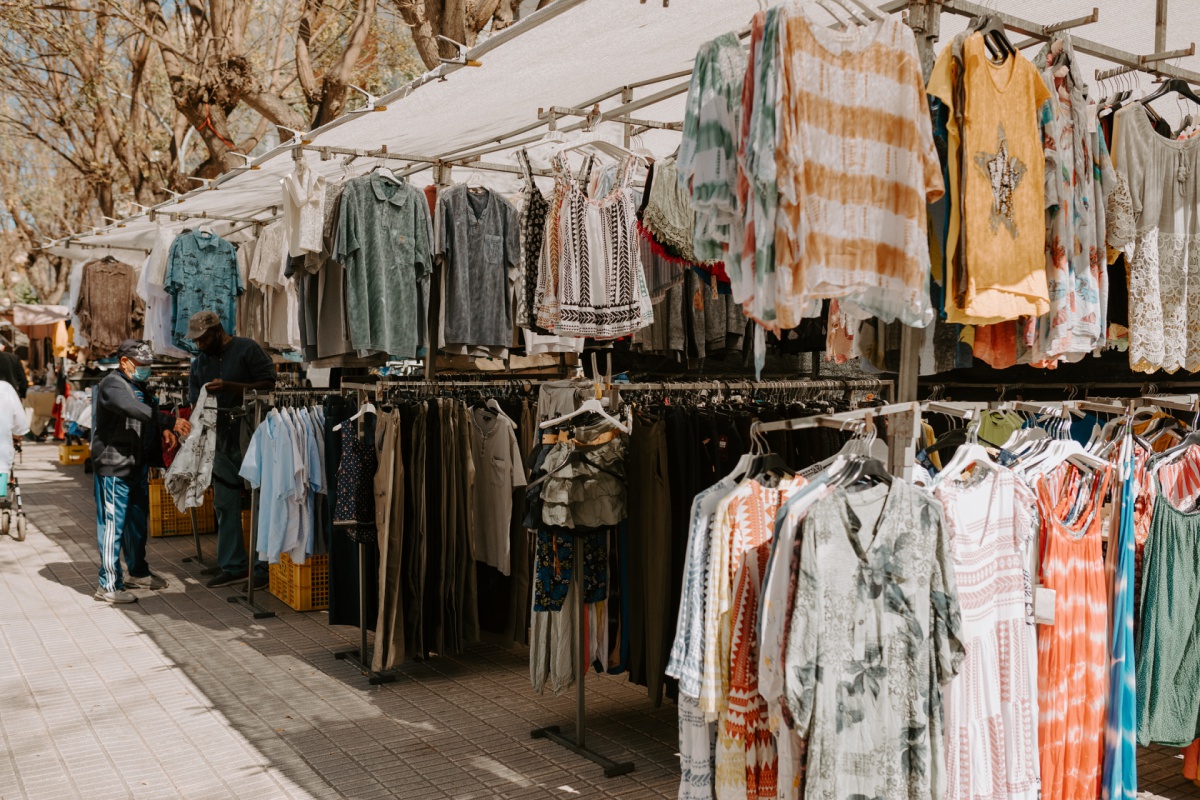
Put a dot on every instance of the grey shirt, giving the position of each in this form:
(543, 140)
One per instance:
(499, 470)
(383, 239)
(479, 240)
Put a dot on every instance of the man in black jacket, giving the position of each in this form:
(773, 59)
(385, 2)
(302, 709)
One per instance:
(228, 366)
(124, 427)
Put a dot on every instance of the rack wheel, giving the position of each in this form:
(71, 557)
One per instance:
(5, 521)
(20, 528)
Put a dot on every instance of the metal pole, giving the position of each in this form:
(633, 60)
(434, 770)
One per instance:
(199, 557)
(1160, 26)
(580, 647)
(252, 557)
(362, 603)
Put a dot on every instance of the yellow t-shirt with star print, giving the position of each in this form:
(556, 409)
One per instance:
(1002, 200)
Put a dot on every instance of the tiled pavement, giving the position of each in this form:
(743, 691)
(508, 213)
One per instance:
(183, 695)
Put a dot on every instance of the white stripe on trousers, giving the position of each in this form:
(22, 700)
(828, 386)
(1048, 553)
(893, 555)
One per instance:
(110, 558)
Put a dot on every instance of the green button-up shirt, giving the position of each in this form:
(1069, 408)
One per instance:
(384, 240)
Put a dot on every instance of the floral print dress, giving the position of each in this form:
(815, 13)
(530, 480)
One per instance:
(875, 636)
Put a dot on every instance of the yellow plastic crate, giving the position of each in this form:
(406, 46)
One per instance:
(73, 453)
(165, 519)
(304, 587)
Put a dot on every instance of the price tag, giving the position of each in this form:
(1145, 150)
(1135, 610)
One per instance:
(1043, 605)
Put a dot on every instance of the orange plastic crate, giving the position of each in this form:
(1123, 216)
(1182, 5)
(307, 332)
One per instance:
(304, 587)
(165, 519)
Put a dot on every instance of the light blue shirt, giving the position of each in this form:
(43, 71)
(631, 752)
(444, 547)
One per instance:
(269, 466)
(202, 275)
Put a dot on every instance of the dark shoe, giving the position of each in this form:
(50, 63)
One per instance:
(225, 579)
(150, 581)
(118, 597)
(262, 580)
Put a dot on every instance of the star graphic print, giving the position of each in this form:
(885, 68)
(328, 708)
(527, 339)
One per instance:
(1005, 175)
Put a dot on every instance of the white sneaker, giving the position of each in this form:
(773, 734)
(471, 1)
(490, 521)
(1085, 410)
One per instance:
(118, 597)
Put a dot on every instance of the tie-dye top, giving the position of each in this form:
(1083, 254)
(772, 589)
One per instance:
(856, 165)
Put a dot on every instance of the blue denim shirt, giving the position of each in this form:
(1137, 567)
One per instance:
(202, 275)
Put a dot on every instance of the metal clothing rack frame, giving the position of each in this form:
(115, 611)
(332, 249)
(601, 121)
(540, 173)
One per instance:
(578, 743)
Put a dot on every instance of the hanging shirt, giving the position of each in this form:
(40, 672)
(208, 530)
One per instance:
(384, 240)
(499, 471)
(1164, 299)
(708, 151)
(190, 473)
(304, 210)
(875, 636)
(479, 240)
(157, 329)
(202, 275)
(856, 166)
(1004, 186)
(108, 307)
(270, 467)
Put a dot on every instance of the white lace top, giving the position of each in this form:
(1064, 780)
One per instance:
(1164, 268)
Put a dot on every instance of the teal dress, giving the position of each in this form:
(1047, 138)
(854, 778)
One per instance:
(1168, 670)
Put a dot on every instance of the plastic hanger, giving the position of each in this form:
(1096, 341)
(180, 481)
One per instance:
(492, 405)
(590, 406)
(971, 452)
(994, 37)
(597, 143)
(387, 173)
(366, 408)
(1177, 85)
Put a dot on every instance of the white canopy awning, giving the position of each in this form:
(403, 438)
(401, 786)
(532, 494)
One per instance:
(570, 53)
(27, 315)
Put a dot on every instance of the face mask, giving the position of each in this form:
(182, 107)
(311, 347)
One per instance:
(141, 374)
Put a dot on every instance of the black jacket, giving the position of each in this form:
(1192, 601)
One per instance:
(122, 426)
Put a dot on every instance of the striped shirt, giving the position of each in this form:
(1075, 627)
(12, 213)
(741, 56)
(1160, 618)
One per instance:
(856, 165)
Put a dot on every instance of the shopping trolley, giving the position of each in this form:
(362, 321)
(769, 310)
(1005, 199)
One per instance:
(12, 515)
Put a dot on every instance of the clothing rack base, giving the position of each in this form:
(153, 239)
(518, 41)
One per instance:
(361, 657)
(199, 557)
(578, 744)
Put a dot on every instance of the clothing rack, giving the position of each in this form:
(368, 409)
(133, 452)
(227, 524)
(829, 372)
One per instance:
(257, 401)
(578, 743)
(358, 657)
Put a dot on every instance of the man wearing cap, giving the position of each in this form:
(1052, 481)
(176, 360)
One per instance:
(124, 429)
(228, 366)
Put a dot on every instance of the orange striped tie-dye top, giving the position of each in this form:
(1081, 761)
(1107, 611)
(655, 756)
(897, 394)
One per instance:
(856, 164)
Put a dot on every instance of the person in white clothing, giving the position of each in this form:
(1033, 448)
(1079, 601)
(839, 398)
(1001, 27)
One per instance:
(13, 425)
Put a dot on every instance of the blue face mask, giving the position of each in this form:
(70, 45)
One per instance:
(141, 374)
